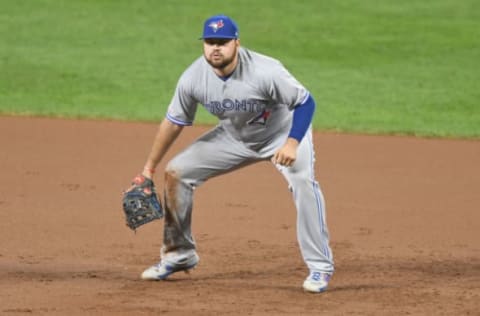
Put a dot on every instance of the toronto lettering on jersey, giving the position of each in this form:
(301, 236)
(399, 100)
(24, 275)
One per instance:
(229, 105)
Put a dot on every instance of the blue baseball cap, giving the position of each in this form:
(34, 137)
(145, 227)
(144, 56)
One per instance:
(220, 26)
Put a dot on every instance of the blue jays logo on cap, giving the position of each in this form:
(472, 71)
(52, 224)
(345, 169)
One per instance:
(215, 25)
(220, 26)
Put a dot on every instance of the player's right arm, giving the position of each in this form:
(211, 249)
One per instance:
(181, 112)
(166, 135)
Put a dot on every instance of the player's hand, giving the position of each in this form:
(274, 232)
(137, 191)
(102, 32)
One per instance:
(287, 154)
(147, 173)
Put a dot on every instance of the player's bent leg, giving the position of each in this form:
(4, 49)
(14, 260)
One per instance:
(312, 234)
(178, 251)
(178, 200)
(212, 154)
(312, 230)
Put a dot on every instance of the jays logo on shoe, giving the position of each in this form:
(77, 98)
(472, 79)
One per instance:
(216, 25)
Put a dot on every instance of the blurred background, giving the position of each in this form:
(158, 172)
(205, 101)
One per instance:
(377, 67)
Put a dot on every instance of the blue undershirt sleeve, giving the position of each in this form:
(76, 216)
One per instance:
(302, 117)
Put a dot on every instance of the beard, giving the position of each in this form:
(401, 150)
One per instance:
(220, 62)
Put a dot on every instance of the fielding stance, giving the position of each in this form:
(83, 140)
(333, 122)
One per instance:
(264, 113)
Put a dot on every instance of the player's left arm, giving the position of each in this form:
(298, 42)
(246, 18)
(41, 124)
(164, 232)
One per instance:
(302, 118)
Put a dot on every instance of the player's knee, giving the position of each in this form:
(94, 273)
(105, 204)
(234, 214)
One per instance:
(179, 173)
(171, 175)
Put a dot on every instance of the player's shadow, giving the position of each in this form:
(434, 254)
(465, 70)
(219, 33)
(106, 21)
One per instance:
(355, 275)
(258, 280)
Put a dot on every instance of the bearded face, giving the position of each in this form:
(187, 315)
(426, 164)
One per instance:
(221, 53)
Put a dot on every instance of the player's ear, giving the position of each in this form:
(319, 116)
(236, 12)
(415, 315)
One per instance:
(237, 42)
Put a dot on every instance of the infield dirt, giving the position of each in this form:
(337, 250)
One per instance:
(403, 214)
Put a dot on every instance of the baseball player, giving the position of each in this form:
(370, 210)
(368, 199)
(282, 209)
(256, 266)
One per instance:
(264, 114)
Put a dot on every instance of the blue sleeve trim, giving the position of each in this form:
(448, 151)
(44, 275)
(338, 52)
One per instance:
(178, 122)
(302, 118)
(305, 99)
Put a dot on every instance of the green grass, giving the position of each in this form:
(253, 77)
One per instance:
(384, 67)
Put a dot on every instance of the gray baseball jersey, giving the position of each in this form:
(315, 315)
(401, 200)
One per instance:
(253, 105)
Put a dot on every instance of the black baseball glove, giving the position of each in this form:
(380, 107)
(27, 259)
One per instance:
(140, 203)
